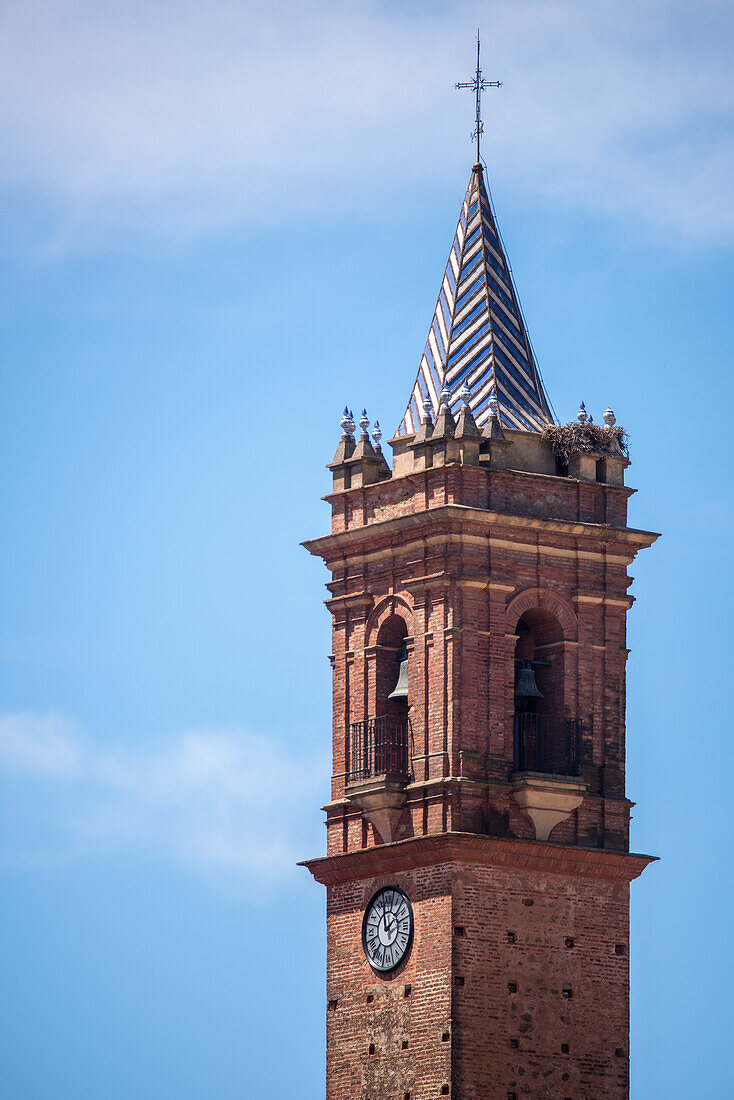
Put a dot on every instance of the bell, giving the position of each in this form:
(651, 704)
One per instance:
(400, 691)
(526, 687)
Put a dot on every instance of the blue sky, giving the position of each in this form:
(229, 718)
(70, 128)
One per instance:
(218, 225)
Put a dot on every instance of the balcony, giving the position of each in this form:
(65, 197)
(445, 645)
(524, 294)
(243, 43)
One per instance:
(547, 743)
(378, 769)
(546, 782)
(379, 746)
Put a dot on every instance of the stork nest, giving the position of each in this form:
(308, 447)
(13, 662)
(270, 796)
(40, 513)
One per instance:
(574, 438)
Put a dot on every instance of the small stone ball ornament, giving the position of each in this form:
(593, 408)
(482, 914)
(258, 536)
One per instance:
(465, 394)
(377, 433)
(427, 407)
(494, 405)
(364, 421)
(582, 416)
(446, 396)
(609, 418)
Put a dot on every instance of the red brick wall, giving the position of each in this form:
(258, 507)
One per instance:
(522, 1001)
(506, 968)
(412, 1005)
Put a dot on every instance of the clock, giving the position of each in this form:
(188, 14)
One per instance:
(387, 929)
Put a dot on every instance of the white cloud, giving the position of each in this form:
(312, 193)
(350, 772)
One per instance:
(221, 800)
(39, 744)
(172, 118)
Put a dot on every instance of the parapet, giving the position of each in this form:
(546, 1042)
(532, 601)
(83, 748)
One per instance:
(577, 452)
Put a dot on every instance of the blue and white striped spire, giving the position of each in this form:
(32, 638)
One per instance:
(477, 337)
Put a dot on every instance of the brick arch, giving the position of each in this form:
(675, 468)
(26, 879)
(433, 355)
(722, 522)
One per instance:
(389, 605)
(543, 598)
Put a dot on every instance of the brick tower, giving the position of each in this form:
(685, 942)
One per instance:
(478, 862)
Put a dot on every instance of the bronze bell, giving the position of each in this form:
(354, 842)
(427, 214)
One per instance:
(526, 687)
(400, 691)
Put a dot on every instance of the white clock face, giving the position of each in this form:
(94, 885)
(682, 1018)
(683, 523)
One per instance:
(387, 928)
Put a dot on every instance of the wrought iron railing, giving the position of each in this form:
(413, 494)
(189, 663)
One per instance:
(379, 746)
(549, 743)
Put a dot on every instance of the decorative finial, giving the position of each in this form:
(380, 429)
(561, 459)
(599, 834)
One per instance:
(582, 416)
(377, 433)
(446, 396)
(494, 405)
(477, 85)
(591, 419)
(465, 394)
(427, 408)
(609, 418)
(364, 421)
(347, 422)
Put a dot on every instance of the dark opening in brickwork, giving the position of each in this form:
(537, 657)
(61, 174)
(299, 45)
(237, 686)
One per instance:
(405, 1044)
(564, 1048)
(332, 1005)
(458, 930)
(512, 987)
(619, 1053)
(370, 998)
(567, 991)
(407, 990)
(371, 1049)
(569, 941)
(444, 1090)
(528, 901)
(459, 981)
(515, 1043)
(619, 949)
(511, 938)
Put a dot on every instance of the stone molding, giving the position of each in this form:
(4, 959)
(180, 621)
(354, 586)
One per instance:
(465, 514)
(393, 604)
(520, 855)
(547, 600)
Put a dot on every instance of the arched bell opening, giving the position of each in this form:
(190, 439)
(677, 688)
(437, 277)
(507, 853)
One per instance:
(545, 738)
(539, 673)
(380, 745)
(392, 669)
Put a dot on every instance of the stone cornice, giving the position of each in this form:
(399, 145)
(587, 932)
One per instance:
(519, 855)
(461, 513)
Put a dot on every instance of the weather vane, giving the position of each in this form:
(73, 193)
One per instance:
(477, 85)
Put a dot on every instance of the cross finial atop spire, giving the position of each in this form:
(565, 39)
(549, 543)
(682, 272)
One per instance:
(477, 85)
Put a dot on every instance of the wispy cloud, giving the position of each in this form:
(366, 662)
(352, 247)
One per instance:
(214, 800)
(173, 118)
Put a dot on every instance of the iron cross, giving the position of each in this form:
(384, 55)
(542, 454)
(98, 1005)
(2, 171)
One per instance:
(477, 85)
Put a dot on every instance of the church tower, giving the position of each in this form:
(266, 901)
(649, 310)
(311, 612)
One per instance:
(478, 863)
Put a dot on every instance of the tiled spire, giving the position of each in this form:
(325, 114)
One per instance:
(477, 337)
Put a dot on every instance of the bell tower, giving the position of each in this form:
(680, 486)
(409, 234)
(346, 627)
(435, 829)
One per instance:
(478, 863)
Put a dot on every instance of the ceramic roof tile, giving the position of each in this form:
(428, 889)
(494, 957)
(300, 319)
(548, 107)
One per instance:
(477, 335)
